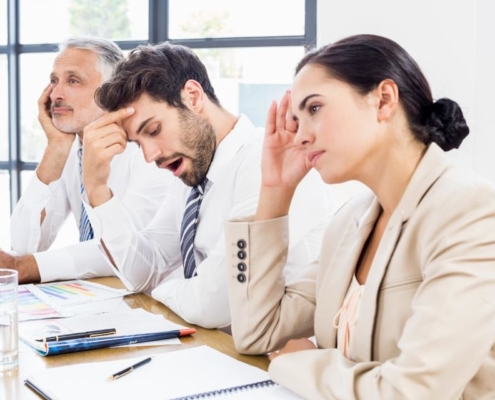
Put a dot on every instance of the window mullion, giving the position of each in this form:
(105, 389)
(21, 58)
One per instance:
(13, 100)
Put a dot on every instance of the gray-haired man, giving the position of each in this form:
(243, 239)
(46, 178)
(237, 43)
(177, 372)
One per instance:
(65, 108)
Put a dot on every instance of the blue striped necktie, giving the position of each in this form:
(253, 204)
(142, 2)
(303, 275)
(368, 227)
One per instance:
(85, 228)
(188, 228)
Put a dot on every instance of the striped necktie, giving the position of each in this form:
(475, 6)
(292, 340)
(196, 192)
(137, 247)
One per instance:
(85, 228)
(188, 228)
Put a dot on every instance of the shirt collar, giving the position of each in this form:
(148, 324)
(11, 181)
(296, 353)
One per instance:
(229, 147)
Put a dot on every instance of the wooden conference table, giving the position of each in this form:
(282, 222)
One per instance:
(12, 384)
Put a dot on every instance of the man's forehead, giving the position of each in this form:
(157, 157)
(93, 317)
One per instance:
(127, 123)
(75, 61)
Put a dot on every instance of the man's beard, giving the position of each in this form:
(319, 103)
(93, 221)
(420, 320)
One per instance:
(64, 123)
(198, 136)
(76, 121)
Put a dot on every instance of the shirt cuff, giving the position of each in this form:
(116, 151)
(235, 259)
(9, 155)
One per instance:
(55, 265)
(79, 261)
(108, 217)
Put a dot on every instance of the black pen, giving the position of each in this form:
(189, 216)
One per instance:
(79, 335)
(128, 370)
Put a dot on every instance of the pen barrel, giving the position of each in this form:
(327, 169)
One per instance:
(128, 370)
(120, 374)
(79, 335)
(69, 346)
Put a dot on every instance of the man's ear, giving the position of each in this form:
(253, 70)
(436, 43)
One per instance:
(193, 95)
(387, 93)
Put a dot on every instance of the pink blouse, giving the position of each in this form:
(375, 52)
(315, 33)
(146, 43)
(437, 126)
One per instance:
(346, 318)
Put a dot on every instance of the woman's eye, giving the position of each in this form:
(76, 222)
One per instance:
(313, 109)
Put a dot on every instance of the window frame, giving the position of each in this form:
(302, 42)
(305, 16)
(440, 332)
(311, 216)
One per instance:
(157, 32)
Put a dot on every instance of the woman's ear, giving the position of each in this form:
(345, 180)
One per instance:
(388, 96)
(193, 95)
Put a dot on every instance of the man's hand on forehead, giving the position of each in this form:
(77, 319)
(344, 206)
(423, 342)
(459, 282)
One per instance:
(102, 140)
(114, 117)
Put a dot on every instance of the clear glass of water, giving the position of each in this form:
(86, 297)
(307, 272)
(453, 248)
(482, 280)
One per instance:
(8, 320)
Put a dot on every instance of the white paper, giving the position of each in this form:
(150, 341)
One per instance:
(133, 321)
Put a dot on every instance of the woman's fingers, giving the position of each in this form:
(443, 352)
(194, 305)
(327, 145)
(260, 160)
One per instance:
(291, 123)
(282, 113)
(270, 119)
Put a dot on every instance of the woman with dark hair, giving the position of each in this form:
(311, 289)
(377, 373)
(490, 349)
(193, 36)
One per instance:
(402, 300)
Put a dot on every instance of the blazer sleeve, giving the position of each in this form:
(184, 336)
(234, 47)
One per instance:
(266, 313)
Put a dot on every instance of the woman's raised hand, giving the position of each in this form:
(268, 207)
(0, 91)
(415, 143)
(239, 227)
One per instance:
(284, 164)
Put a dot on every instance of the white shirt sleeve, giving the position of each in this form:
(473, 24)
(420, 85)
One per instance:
(140, 188)
(143, 258)
(28, 235)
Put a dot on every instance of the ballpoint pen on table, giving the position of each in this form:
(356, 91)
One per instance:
(79, 335)
(128, 370)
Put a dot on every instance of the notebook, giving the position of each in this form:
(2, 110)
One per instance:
(195, 373)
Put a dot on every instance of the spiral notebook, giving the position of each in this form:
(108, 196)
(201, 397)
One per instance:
(196, 373)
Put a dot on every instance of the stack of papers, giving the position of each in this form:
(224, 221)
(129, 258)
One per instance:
(130, 326)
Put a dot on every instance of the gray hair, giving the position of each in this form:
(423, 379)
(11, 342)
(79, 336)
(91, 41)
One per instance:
(107, 51)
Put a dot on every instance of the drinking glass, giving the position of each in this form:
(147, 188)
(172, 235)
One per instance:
(8, 320)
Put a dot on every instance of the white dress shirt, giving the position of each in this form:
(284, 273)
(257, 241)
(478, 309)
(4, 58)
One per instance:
(151, 259)
(140, 188)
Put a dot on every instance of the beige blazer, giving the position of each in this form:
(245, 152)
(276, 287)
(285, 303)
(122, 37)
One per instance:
(426, 326)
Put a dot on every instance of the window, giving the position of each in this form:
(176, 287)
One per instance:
(4, 120)
(246, 80)
(4, 210)
(111, 19)
(4, 134)
(249, 54)
(34, 76)
(218, 18)
(3, 22)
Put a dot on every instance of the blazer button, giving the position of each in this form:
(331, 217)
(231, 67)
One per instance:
(241, 267)
(241, 278)
(241, 244)
(241, 254)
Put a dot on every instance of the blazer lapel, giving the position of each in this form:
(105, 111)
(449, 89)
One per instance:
(369, 299)
(431, 167)
(339, 271)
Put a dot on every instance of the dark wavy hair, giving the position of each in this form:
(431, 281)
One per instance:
(363, 61)
(160, 71)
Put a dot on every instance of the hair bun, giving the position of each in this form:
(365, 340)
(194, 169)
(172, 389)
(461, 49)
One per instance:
(446, 125)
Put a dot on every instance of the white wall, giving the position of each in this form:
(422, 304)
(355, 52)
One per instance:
(454, 43)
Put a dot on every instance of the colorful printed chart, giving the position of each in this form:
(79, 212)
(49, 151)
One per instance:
(53, 300)
(32, 307)
(65, 291)
(69, 293)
